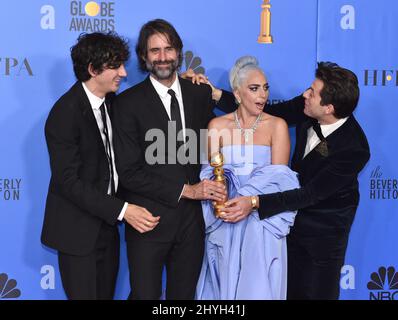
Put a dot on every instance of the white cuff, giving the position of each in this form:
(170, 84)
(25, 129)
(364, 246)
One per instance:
(121, 215)
(181, 193)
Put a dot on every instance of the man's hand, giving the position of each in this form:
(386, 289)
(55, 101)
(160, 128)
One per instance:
(201, 78)
(205, 190)
(140, 218)
(237, 209)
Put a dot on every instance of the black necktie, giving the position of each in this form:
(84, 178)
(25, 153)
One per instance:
(108, 147)
(175, 114)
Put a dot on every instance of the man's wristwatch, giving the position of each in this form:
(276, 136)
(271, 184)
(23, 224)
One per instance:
(253, 200)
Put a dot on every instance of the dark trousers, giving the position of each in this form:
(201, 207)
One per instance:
(182, 258)
(314, 267)
(92, 277)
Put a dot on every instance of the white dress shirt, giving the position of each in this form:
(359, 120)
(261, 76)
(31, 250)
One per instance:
(96, 103)
(327, 129)
(161, 89)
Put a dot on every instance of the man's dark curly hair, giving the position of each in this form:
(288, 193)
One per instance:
(340, 88)
(101, 50)
(150, 28)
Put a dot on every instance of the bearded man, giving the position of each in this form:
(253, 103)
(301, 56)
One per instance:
(165, 181)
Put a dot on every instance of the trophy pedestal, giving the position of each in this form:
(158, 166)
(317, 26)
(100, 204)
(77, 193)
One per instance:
(265, 27)
(218, 208)
(264, 39)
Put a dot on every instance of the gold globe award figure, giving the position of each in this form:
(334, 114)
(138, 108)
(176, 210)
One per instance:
(265, 28)
(217, 162)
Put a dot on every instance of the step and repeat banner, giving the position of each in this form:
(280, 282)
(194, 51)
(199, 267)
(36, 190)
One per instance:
(36, 69)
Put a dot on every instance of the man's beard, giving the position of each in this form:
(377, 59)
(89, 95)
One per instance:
(165, 72)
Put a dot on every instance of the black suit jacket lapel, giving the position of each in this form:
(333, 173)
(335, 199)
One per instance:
(108, 102)
(335, 139)
(187, 98)
(88, 113)
(301, 141)
(156, 106)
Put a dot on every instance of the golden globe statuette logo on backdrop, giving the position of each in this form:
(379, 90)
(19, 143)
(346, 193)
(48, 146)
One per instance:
(265, 27)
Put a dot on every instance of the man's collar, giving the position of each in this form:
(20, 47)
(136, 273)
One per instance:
(95, 101)
(329, 128)
(162, 90)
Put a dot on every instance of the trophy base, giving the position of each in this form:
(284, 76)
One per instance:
(265, 39)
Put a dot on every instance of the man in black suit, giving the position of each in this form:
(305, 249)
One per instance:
(331, 149)
(155, 170)
(81, 208)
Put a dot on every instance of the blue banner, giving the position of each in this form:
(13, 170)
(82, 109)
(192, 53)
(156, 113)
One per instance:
(36, 69)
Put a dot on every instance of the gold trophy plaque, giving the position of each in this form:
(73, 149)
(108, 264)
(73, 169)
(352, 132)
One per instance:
(265, 28)
(217, 162)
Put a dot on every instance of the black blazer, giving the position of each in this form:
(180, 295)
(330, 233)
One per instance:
(157, 186)
(77, 200)
(329, 196)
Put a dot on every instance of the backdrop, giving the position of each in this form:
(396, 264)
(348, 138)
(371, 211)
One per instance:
(35, 70)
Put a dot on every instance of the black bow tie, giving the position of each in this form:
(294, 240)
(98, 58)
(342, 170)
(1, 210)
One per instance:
(317, 128)
(322, 147)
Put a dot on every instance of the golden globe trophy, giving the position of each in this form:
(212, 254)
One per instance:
(265, 31)
(217, 162)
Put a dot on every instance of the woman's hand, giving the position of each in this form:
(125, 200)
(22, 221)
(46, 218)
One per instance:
(201, 78)
(195, 78)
